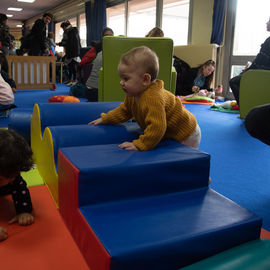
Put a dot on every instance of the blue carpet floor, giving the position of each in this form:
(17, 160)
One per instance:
(239, 162)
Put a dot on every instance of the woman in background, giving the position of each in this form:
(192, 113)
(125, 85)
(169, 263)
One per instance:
(155, 32)
(197, 78)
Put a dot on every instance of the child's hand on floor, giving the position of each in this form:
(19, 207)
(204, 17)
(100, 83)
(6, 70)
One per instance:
(3, 234)
(96, 122)
(23, 219)
(128, 146)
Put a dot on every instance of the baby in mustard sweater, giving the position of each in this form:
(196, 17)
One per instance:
(158, 112)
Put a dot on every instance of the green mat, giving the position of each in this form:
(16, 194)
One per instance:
(220, 109)
(253, 255)
(32, 178)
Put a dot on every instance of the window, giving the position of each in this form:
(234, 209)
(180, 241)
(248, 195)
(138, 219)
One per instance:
(175, 20)
(141, 17)
(58, 36)
(82, 30)
(250, 26)
(116, 19)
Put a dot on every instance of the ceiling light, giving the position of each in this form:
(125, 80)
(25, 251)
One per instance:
(26, 1)
(14, 9)
(9, 15)
(19, 25)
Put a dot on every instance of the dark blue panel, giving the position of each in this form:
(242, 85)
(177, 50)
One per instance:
(170, 231)
(108, 173)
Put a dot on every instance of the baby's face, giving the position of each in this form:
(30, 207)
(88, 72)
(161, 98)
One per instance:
(132, 80)
(5, 180)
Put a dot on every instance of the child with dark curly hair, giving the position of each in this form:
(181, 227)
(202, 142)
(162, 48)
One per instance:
(15, 156)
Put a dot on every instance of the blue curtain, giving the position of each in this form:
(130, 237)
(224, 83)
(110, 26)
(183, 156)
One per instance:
(88, 22)
(218, 21)
(51, 27)
(98, 19)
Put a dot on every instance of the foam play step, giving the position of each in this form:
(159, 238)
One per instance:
(170, 231)
(169, 168)
(147, 210)
(55, 137)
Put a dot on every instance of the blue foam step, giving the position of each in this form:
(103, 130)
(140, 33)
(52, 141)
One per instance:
(108, 173)
(55, 114)
(80, 135)
(170, 231)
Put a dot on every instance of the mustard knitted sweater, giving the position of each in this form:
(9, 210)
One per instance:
(158, 112)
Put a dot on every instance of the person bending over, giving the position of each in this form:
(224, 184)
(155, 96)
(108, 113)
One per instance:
(158, 112)
(15, 156)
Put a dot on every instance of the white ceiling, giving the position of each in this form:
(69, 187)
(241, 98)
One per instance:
(29, 9)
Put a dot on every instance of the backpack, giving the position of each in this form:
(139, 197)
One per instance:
(77, 90)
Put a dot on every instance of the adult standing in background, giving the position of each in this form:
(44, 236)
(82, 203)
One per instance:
(36, 41)
(72, 45)
(5, 37)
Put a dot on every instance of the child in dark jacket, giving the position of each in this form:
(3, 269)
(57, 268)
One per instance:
(15, 156)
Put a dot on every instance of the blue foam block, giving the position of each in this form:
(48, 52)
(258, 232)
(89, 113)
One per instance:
(108, 173)
(19, 120)
(170, 231)
(54, 114)
(79, 135)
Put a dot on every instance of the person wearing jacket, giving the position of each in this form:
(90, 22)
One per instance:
(36, 41)
(72, 45)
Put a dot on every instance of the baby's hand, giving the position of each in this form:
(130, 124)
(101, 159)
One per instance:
(3, 234)
(23, 219)
(128, 146)
(96, 122)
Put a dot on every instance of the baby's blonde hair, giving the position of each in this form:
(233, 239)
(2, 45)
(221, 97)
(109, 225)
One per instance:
(144, 58)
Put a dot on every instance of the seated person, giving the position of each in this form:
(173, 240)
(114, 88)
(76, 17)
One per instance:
(6, 98)
(262, 61)
(158, 112)
(257, 123)
(91, 90)
(196, 78)
(95, 49)
(4, 72)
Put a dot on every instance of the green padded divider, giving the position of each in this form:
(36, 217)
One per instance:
(32, 178)
(254, 90)
(249, 256)
(114, 47)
